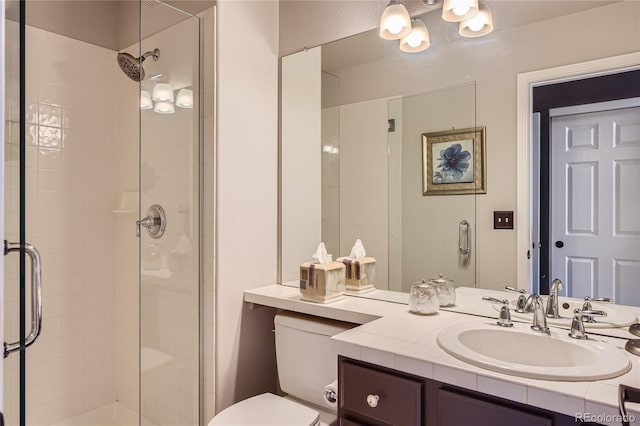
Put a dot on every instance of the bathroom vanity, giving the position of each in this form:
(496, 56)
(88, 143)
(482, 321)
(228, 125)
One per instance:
(395, 356)
(370, 394)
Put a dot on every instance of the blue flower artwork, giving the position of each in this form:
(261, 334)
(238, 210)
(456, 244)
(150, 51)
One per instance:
(453, 162)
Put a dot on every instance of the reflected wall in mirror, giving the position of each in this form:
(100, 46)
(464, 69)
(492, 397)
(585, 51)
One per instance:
(528, 35)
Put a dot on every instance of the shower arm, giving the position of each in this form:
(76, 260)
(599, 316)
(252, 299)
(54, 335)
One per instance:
(155, 53)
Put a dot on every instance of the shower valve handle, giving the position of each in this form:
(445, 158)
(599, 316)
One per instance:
(155, 222)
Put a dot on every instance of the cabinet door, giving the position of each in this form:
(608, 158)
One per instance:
(456, 410)
(380, 398)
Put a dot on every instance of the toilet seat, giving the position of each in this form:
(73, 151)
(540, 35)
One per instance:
(266, 410)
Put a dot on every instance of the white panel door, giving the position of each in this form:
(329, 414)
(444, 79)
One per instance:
(595, 199)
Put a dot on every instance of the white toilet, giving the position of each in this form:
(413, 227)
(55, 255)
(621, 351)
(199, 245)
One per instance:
(305, 366)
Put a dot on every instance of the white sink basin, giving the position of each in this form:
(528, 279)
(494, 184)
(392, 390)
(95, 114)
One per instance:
(615, 317)
(519, 351)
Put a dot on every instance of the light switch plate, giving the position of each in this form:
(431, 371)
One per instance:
(503, 220)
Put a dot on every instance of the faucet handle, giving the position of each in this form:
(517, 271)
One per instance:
(597, 299)
(522, 299)
(504, 320)
(577, 324)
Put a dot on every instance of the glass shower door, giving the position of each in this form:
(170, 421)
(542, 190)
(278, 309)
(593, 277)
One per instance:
(170, 218)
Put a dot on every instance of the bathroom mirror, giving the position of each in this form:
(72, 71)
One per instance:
(364, 69)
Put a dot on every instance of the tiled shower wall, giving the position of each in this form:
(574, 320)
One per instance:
(72, 126)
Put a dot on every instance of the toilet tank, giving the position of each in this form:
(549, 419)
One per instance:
(306, 363)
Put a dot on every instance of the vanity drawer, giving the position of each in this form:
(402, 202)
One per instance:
(399, 399)
(456, 409)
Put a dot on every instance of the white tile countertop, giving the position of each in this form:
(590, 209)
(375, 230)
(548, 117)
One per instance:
(393, 337)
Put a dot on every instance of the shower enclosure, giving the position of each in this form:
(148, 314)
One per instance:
(102, 175)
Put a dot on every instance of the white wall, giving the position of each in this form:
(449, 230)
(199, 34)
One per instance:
(493, 62)
(301, 207)
(247, 200)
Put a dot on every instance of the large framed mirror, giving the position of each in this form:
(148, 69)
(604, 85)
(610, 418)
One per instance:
(357, 75)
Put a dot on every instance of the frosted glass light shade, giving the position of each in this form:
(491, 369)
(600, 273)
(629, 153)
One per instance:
(145, 100)
(395, 22)
(479, 25)
(459, 10)
(184, 99)
(162, 92)
(164, 108)
(417, 40)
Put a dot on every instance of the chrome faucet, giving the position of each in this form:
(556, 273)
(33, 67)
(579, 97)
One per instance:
(586, 306)
(552, 302)
(504, 320)
(522, 298)
(539, 318)
(577, 325)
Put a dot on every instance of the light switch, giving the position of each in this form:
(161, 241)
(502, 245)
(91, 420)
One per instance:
(503, 220)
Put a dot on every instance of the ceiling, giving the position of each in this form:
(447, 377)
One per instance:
(368, 46)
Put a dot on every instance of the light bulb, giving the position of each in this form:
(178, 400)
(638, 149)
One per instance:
(414, 40)
(395, 22)
(461, 9)
(164, 108)
(417, 40)
(162, 92)
(478, 26)
(477, 23)
(184, 99)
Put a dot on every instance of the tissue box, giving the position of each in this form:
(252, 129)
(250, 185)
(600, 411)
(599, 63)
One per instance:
(322, 283)
(360, 274)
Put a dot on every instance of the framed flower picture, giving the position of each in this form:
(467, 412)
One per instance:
(453, 162)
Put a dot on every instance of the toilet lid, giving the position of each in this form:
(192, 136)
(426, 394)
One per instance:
(266, 410)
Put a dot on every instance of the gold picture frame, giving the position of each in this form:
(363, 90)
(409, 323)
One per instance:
(448, 167)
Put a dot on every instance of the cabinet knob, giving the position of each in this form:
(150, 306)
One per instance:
(372, 400)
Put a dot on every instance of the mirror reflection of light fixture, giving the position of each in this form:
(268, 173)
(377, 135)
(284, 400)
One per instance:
(145, 100)
(459, 10)
(479, 25)
(184, 99)
(162, 92)
(417, 40)
(395, 22)
(164, 108)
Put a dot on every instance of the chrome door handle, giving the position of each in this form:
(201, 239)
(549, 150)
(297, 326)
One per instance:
(36, 296)
(463, 234)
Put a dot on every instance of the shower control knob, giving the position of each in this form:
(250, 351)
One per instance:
(373, 400)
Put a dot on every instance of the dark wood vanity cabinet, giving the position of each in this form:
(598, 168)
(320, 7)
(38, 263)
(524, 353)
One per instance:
(370, 395)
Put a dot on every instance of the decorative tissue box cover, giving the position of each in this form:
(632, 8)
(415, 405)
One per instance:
(360, 274)
(322, 283)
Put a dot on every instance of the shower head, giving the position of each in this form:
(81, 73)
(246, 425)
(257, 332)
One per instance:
(132, 66)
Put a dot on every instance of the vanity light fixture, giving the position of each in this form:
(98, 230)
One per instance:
(417, 40)
(474, 17)
(162, 92)
(459, 10)
(479, 25)
(395, 22)
(145, 100)
(184, 98)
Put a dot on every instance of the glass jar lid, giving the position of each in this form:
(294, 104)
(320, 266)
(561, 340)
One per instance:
(440, 280)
